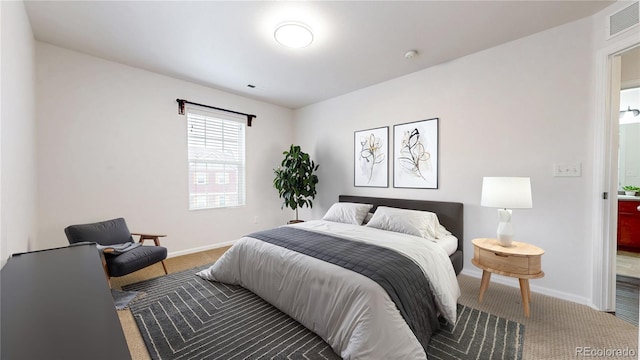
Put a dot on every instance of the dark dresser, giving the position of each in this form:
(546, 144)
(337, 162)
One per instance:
(56, 304)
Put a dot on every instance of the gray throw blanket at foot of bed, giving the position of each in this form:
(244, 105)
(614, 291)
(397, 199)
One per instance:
(398, 275)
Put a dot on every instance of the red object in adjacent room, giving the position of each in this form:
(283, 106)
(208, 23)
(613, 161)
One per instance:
(629, 225)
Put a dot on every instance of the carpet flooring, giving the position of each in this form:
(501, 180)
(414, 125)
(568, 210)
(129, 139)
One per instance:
(557, 329)
(184, 316)
(554, 330)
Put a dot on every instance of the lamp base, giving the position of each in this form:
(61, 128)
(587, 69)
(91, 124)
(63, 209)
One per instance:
(505, 231)
(505, 241)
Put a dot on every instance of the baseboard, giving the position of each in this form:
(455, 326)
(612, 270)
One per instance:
(513, 282)
(201, 248)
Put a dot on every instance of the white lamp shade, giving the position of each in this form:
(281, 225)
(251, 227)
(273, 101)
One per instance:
(506, 192)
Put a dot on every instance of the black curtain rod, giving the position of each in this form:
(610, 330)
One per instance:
(181, 103)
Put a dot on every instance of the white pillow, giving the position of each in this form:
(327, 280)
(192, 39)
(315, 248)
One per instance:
(348, 213)
(413, 222)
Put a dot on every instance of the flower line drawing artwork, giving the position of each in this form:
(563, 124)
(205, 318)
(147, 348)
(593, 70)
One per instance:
(371, 157)
(371, 152)
(413, 153)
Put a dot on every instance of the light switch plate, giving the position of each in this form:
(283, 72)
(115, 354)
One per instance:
(567, 170)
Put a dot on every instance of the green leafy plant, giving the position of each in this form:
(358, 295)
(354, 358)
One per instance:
(295, 179)
(630, 188)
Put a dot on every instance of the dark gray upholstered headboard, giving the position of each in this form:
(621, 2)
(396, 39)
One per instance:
(450, 215)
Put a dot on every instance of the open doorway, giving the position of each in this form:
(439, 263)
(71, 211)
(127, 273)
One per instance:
(628, 194)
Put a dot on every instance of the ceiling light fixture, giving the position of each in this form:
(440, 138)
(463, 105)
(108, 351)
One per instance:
(293, 35)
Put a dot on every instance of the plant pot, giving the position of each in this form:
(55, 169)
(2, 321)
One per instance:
(294, 221)
(630, 193)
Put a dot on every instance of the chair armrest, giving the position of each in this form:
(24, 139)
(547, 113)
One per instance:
(148, 235)
(154, 237)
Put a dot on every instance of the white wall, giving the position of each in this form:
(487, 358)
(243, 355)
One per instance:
(18, 162)
(111, 143)
(513, 110)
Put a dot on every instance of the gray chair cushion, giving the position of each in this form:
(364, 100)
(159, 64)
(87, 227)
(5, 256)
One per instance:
(108, 232)
(134, 260)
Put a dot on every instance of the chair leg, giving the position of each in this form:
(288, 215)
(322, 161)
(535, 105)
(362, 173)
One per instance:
(106, 269)
(164, 266)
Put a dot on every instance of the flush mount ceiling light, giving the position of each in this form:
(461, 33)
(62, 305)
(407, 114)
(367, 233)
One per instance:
(293, 35)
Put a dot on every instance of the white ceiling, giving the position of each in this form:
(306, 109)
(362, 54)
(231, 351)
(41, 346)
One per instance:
(229, 44)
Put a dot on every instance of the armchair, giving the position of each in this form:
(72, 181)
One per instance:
(113, 232)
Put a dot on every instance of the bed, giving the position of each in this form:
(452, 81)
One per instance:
(327, 276)
(450, 214)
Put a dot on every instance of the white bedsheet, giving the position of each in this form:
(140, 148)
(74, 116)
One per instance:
(449, 243)
(350, 311)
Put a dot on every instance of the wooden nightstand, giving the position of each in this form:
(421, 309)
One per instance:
(520, 260)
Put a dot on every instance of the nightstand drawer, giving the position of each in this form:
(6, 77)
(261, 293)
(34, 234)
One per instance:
(510, 263)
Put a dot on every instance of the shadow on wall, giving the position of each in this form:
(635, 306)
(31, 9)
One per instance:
(332, 180)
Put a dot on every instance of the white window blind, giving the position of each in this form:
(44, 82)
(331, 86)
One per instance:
(216, 151)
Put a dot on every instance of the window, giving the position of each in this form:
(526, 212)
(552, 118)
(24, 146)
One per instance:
(223, 178)
(216, 151)
(201, 178)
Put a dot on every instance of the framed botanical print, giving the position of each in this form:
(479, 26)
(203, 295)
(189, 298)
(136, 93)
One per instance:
(371, 157)
(415, 154)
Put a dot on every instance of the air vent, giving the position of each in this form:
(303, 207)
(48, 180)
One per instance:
(623, 20)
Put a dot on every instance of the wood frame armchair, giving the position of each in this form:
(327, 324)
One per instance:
(115, 232)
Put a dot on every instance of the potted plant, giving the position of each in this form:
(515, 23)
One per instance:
(630, 189)
(295, 180)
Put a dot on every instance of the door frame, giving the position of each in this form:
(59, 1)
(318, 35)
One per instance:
(605, 180)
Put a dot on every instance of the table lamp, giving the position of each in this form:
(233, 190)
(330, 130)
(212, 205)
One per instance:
(506, 193)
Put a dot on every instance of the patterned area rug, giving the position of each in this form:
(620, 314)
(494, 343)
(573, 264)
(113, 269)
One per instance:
(478, 335)
(183, 316)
